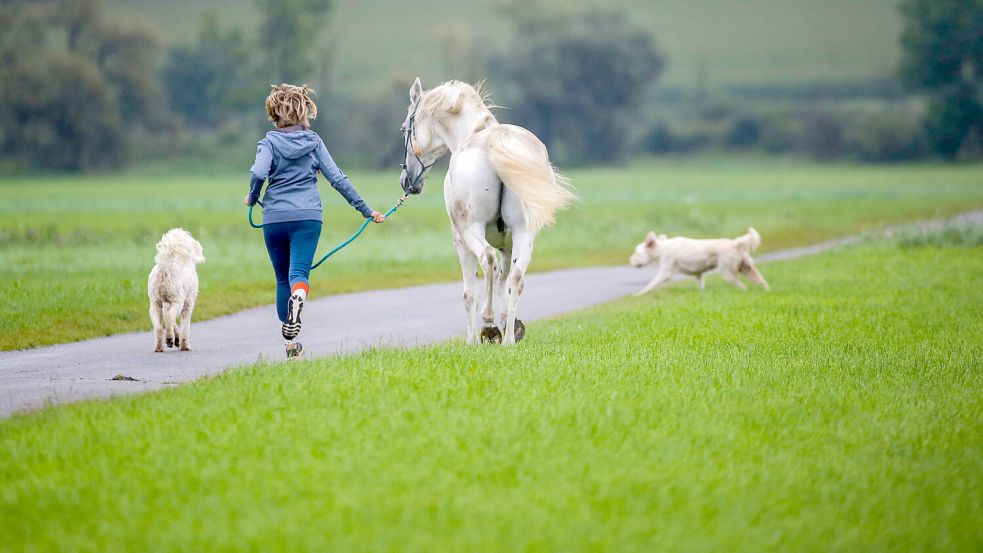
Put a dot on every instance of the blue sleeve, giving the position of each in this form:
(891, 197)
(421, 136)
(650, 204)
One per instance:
(339, 181)
(260, 169)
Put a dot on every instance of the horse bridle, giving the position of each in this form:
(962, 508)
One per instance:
(408, 147)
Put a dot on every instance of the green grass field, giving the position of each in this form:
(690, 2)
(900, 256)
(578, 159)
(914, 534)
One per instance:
(753, 42)
(841, 411)
(75, 251)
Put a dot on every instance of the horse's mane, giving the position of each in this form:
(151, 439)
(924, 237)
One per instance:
(451, 96)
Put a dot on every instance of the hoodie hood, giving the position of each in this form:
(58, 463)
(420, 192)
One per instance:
(293, 142)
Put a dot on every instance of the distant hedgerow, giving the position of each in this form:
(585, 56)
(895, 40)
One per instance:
(965, 234)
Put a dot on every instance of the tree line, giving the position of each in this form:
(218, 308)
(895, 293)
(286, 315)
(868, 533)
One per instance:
(81, 92)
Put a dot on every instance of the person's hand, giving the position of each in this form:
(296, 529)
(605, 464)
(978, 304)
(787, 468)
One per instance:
(377, 217)
(246, 200)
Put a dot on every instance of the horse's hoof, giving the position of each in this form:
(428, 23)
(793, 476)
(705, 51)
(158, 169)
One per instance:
(170, 342)
(491, 335)
(177, 342)
(520, 331)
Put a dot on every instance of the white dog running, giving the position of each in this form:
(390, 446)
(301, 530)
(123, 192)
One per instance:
(173, 288)
(694, 257)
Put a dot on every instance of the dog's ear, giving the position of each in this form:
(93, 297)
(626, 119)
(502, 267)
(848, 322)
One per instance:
(650, 239)
(199, 253)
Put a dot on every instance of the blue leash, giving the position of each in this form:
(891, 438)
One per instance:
(337, 248)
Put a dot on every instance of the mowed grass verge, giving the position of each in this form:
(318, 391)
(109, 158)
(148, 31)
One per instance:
(75, 251)
(841, 411)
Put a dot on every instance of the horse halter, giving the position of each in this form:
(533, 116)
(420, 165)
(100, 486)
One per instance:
(408, 147)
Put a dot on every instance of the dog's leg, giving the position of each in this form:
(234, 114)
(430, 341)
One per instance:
(157, 318)
(751, 272)
(730, 277)
(185, 333)
(170, 323)
(660, 279)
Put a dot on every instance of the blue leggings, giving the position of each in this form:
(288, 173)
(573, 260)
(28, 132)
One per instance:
(291, 246)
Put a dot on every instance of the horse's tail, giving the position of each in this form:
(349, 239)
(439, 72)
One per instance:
(749, 241)
(521, 161)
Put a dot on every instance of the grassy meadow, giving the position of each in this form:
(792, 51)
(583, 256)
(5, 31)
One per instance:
(75, 251)
(841, 411)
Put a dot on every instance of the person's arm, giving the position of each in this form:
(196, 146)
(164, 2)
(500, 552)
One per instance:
(259, 171)
(340, 182)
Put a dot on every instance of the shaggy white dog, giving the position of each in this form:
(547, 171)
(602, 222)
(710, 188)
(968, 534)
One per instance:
(694, 257)
(173, 288)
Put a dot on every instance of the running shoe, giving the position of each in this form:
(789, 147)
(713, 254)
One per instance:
(291, 327)
(295, 350)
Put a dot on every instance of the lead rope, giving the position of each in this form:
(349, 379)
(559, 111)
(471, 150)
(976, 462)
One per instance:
(337, 248)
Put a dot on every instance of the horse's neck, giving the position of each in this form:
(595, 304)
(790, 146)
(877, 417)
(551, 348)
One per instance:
(454, 131)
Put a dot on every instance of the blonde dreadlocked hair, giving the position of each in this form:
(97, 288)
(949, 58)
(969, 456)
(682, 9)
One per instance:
(289, 105)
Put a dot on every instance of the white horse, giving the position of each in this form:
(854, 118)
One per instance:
(500, 190)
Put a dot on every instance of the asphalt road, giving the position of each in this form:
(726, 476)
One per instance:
(404, 317)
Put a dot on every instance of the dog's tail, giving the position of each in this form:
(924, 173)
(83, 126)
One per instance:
(749, 241)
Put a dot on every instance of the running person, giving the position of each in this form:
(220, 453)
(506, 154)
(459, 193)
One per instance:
(289, 158)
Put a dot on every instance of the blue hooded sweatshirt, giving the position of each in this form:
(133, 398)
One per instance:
(290, 158)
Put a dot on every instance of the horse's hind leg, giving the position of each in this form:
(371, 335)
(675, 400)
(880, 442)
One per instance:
(489, 330)
(502, 294)
(469, 267)
(522, 246)
(501, 281)
(474, 238)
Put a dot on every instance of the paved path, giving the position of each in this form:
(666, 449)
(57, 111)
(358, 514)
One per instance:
(346, 323)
